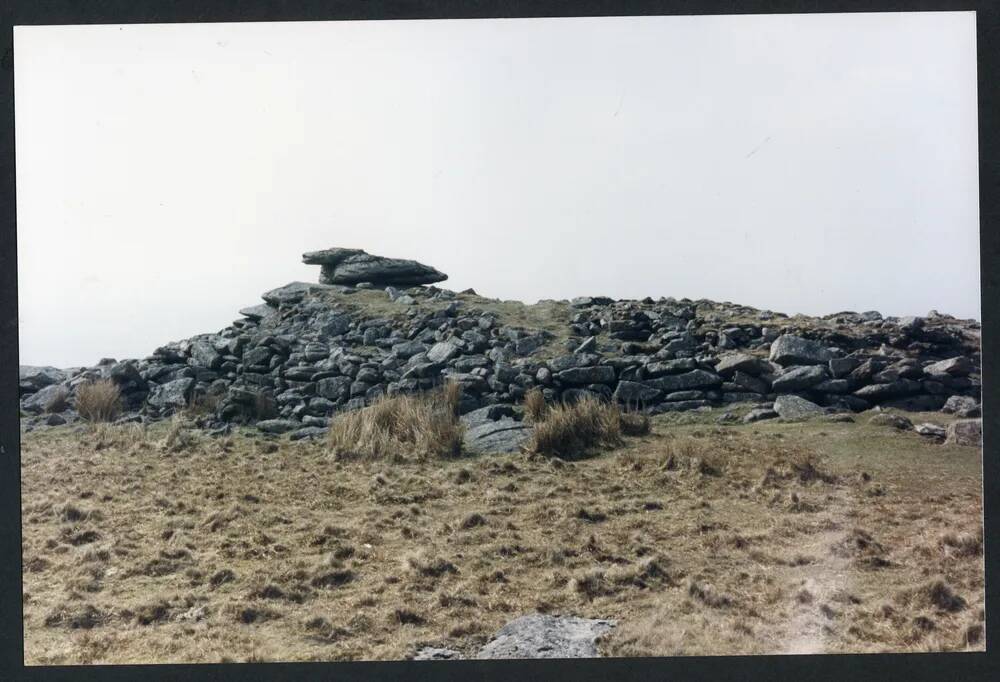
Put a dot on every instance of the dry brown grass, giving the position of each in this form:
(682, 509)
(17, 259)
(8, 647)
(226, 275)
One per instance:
(451, 395)
(535, 407)
(99, 401)
(400, 427)
(573, 431)
(227, 550)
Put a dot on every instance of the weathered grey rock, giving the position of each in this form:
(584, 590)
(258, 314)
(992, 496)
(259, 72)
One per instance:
(204, 355)
(257, 312)
(658, 369)
(635, 393)
(37, 401)
(407, 349)
(841, 367)
(351, 266)
(794, 407)
(429, 653)
(55, 420)
(751, 383)
(916, 403)
(965, 432)
(442, 352)
(31, 378)
(333, 388)
(895, 389)
(529, 344)
(543, 636)
(758, 414)
(894, 420)
(589, 345)
(333, 324)
(487, 414)
(307, 432)
(836, 386)
(503, 435)
(799, 378)
(173, 394)
(581, 376)
(694, 379)
(731, 363)
(684, 395)
(278, 425)
(794, 350)
(291, 293)
(931, 431)
(960, 403)
(956, 367)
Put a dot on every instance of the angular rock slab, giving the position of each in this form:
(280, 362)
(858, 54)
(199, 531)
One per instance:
(965, 432)
(794, 350)
(352, 266)
(542, 636)
(503, 435)
(293, 292)
(794, 407)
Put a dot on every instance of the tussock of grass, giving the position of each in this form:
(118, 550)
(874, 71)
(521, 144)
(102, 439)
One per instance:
(935, 594)
(964, 544)
(535, 407)
(571, 431)
(421, 426)
(99, 401)
(451, 394)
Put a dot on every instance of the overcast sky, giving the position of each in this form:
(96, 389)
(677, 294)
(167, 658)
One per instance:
(167, 175)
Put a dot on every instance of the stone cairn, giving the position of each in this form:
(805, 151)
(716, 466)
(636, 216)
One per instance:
(312, 350)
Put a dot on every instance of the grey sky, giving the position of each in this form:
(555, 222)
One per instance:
(169, 174)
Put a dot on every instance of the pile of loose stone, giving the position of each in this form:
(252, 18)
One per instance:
(311, 351)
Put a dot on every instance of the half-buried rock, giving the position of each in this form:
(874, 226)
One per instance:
(542, 636)
(353, 266)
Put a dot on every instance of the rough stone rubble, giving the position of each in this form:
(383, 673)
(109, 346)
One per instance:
(312, 350)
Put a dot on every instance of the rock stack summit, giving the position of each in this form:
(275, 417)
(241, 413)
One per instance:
(377, 326)
(354, 266)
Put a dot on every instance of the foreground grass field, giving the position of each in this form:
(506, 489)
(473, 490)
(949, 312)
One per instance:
(162, 545)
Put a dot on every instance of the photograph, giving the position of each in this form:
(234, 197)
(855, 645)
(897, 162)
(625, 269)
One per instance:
(501, 338)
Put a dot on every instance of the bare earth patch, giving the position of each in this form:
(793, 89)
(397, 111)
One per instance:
(163, 545)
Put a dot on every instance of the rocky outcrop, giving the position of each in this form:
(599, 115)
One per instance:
(354, 266)
(313, 350)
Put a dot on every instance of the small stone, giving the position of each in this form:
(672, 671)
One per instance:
(794, 407)
(894, 420)
(931, 431)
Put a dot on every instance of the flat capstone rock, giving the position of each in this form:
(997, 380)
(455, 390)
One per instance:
(354, 266)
